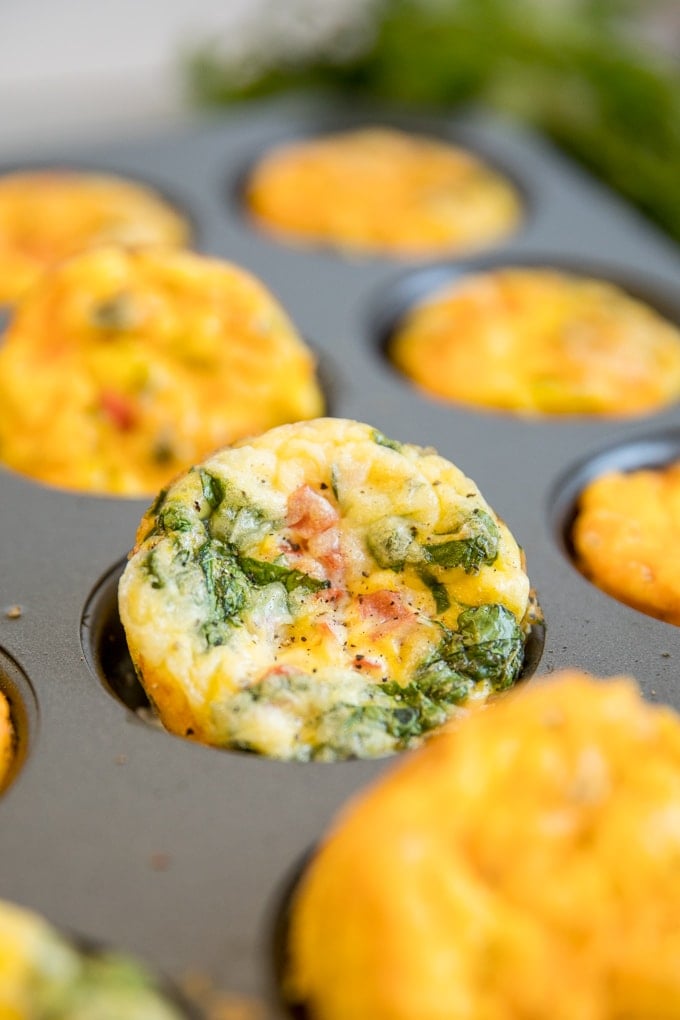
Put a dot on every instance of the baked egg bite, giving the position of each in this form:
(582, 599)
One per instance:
(6, 740)
(121, 368)
(44, 976)
(48, 215)
(523, 864)
(540, 342)
(626, 538)
(391, 193)
(322, 592)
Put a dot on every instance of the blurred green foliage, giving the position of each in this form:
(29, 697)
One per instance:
(575, 70)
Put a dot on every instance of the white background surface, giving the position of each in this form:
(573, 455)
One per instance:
(74, 69)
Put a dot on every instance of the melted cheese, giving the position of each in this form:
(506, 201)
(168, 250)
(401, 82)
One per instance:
(540, 342)
(392, 193)
(260, 607)
(47, 216)
(122, 368)
(627, 538)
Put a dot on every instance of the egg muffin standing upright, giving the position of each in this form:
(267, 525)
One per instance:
(321, 591)
(121, 368)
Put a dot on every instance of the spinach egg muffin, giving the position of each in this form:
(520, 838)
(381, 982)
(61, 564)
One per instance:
(379, 191)
(6, 740)
(626, 538)
(522, 866)
(540, 342)
(121, 368)
(43, 976)
(322, 592)
(48, 215)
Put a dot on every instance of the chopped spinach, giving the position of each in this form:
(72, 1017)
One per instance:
(475, 544)
(115, 314)
(439, 590)
(261, 573)
(172, 518)
(488, 645)
(213, 488)
(226, 587)
(389, 541)
(150, 566)
(383, 440)
(157, 503)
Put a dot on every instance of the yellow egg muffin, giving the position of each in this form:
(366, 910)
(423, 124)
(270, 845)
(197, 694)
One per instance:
(626, 538)
(324, 592)
(43, 976)
(383, 192)
(522, 866)
(121, 368)
(540, 342)
(48, 215)
(6, 739)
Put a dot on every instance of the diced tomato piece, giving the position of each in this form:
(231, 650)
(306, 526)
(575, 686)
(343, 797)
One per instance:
(385, 609)
(119, 409)
(309, 512)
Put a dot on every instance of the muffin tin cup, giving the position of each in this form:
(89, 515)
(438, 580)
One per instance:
(177, 851)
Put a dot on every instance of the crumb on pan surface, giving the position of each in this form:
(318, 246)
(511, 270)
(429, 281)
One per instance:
(540, 342)
(321, 591)
(626, 537)
(49, 215)
(392, 193)
(43, 976)
(6, 739)
(121, 368)
(522, 866)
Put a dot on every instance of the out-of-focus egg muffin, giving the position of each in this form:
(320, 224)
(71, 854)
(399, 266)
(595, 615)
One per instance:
(321, 591)
(524, 864)
(626, 538)
(121, 368)
(49, 215)
(43, 976)
(383, 192)
(6, 739)
(540, 342)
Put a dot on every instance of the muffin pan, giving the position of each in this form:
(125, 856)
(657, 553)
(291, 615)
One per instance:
(138, 839)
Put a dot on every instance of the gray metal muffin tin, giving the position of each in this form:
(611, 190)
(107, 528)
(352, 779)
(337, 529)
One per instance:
(133, 837)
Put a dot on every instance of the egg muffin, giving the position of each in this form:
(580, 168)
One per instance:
(540, 342)
(49, 215)
(626, 537)
(6, 739)
(322, 592)
(524, 864)
(379, 191)
(43, 976)
(121, 368)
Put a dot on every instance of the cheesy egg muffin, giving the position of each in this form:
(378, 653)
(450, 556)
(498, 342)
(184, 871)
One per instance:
(48, 215)
(383, 192)
(322, 592)
(43, 976)
(6, 739)
(540, 342)
(121, 368)
(626, 538)
(523, 864)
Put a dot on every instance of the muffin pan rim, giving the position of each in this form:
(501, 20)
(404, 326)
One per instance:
(232, 879)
